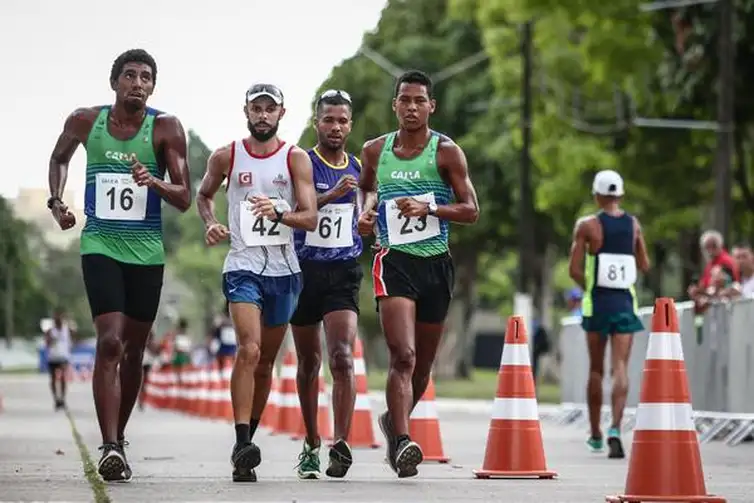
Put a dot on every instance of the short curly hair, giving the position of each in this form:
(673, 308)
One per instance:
(132, 56)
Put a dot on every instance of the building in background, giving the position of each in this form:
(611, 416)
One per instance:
(30, 205)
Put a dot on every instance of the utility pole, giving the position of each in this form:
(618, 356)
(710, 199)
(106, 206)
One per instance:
(725, 102)
(526, 213)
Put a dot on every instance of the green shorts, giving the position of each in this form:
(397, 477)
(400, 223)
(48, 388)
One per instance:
(181, 359)
(610, 324)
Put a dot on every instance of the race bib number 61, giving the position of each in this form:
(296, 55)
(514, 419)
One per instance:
(405, 230)
(334, 227)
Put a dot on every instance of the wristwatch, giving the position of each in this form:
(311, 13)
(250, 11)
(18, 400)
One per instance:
(431, 209)
(278, 215)
(51, 201)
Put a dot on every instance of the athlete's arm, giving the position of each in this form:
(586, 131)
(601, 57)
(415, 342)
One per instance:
(305, 214)
(171, 141)
(75, 131)
(578, 252)
(218, 165)
(370, 156)
(452, 161)
(642, 257)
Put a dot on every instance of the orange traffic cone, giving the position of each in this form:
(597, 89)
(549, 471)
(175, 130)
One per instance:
(424, 426)
(269, 418)
(289, 409)
(665, 463)
(362, 429)
(514, 444)
(324, 425)
(225, 410)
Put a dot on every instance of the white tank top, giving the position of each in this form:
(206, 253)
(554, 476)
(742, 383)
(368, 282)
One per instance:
(257, 244)
(60, 346)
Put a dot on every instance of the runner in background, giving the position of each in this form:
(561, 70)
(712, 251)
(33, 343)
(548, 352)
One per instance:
(59, 342)
(224, 339)
(607, 250)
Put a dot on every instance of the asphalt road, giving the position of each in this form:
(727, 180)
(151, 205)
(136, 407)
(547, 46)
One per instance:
(179, 458)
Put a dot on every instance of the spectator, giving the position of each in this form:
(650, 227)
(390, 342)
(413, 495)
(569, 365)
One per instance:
(574, 297)
(540, 346)
(745, 259)
(720, 271)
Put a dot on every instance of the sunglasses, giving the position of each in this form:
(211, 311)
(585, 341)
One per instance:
(331, 93)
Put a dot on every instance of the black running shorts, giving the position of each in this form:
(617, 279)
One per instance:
(428, 281)
(116, 287)
(328, 287)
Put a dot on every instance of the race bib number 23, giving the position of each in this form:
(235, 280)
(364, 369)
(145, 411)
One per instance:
(404, 230)
(119, 198)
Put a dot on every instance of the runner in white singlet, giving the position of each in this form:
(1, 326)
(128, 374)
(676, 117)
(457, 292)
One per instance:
(58, 341)
(270, 193)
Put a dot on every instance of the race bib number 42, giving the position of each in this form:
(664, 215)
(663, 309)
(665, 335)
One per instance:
(257, 230)
(334, 227)
(119, 198)
(616, 271)
(403, 230)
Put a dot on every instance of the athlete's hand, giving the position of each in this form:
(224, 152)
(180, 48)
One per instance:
(366, 222)
(141, 175)
(263, 205)
(215, 233)
(347, 184)
(63, 216)
(410, 207)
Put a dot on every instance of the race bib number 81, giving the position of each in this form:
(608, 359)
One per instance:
(403, 230)
(616, 271)
(119, 198)
(334, 227)
(257, 230)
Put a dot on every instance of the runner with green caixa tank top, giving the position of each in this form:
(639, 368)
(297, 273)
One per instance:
(410, 179)
(129, 147)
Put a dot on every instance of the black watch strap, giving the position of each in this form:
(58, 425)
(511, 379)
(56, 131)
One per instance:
(51, 201)
(278, 215)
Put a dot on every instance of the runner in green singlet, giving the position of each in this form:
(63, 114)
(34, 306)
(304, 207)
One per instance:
(129, 148)
(415, 182)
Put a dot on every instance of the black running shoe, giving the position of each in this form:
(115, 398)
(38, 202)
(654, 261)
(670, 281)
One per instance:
(408, 456)
(615, 448)
(123, 443)
(112, 466)
(341, 459)
(245, 458)
(387, 429)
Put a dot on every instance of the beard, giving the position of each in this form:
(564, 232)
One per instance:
(262, 136)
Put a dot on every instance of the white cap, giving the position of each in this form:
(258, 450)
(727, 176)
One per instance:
(607, 183)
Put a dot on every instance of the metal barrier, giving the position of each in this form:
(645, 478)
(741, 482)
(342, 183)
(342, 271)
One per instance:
(719, 354)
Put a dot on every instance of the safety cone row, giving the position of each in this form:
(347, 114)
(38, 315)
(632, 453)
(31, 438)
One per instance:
(271, 413)
(289, 408)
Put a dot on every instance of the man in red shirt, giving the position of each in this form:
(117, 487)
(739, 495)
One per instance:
(717, 256)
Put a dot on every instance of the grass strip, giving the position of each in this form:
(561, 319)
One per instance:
(90, 469)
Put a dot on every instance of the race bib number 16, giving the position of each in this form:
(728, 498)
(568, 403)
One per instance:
(404, 230)
(119, 198)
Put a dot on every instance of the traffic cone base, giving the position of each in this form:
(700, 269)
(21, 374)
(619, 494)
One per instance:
(514, 443)
(665, 462)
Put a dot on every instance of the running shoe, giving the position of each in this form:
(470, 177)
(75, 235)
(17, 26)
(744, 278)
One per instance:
(341, 459)
(308, 463)
(112, 466)
(614, 444)
(408, 456)
(245, 458)
(387, 430)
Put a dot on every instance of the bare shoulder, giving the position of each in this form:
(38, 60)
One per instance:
(298, 155)
(584, 224)
(448, 151)
(219, 160)
(81, 120)
(374, 145)
(168, 122)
